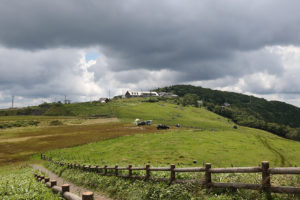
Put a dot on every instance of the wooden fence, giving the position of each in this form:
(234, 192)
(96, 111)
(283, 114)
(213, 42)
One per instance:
(64, 190)
(264, 169)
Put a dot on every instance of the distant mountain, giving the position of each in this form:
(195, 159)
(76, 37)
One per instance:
(278, 117)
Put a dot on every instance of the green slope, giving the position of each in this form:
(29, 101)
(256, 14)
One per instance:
(270, 111)
(206, 137)
(273, 116)
(170, 114)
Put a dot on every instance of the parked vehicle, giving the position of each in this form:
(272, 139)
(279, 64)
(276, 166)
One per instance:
(142, 123)
(162, 126)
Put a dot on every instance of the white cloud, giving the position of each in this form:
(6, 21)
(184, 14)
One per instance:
(48, 75)
(284, 86)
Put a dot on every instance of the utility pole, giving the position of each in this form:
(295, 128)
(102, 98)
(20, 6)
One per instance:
(12, 101)
(109, 94)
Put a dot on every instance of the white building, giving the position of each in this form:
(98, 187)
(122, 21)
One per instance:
(129, 94)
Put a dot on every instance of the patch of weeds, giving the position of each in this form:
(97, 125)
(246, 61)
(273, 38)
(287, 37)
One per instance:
(55, 123)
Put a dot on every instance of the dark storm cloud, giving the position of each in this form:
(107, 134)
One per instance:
(153, 34)
(162, 42)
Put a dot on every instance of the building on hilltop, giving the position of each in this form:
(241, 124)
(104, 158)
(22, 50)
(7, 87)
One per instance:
(130, 94)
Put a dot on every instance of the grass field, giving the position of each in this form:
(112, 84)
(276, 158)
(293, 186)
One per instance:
(168, 113)
(206, 137)
(182, 147)
(19, 144)
(202, 137)
(19, 183)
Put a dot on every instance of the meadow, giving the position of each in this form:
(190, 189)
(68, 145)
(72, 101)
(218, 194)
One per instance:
(182, 147)
(202, 137)
(19, 144)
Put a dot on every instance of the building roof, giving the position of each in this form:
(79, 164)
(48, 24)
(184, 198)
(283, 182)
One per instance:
(141, 93)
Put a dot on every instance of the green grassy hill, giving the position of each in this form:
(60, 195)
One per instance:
(204, 136)
(270, 111)
(277, 117)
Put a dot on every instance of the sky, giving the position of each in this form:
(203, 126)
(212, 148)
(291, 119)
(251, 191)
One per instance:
(90, 49)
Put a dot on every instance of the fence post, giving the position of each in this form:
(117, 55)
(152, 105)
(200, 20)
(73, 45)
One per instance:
(116, 170)
(129, 170)
(88, 196)
(105, 169)
(172, 175)
(147, 172)
(96, 168)
(53, 183)
(207, 175)
(266, 182)
(65, 188)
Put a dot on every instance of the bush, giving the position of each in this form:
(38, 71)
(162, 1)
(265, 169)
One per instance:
(33, 123)
(4, 125)
(56, 123)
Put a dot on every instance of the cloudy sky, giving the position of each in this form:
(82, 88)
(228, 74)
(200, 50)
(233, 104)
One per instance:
(84, 49)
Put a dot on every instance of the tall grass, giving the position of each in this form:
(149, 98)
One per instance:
(122, 189)
(20, 184)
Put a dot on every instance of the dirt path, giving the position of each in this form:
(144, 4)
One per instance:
(73, 188)
(282, 159)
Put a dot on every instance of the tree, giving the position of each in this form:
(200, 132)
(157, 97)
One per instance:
(190, 99)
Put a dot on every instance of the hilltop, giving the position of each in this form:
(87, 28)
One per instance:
(277, 117)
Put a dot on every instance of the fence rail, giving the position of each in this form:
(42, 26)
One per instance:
(64, 190)
(207, 182)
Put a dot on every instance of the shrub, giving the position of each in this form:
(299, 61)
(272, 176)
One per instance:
(56, 123)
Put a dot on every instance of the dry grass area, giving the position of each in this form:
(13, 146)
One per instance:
(19, 144)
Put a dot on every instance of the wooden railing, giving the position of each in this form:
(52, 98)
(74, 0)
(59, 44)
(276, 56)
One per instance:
(264, 169)
(64, 190)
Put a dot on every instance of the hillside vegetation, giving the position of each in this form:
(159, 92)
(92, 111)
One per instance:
(277, 117)
(19, 183)
(95, 109)
(204, 136)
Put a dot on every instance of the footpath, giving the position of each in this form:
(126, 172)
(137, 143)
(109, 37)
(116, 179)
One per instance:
(73, 188)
